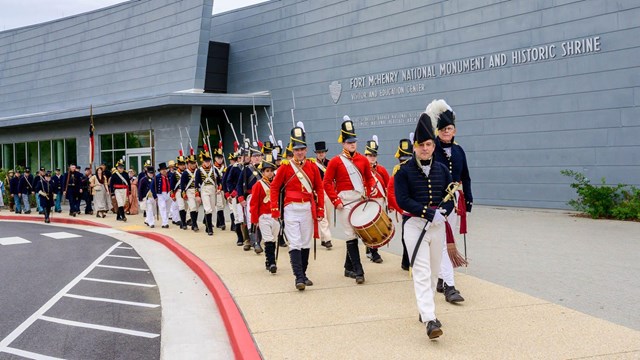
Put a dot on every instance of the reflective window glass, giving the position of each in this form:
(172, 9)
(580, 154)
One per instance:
(21, 155)
(119, 141)
(72, 154)
(45, 154)
(106, 142)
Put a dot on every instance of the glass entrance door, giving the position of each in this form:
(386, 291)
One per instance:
(136, 159)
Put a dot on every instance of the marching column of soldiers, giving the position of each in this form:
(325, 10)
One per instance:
(280, 197)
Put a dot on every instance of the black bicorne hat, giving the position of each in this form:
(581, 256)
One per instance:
(441, 112)
(424, 129)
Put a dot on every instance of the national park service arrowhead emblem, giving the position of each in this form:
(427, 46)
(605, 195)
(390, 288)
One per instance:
(335, 89)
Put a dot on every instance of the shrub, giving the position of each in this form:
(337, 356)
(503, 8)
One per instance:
(604, 201)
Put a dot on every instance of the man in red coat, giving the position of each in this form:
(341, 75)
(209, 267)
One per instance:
(303, 204)
(348, 180)
(381, 179)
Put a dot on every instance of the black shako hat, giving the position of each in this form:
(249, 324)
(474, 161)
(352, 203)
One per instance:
(268, 161)
(372, 146)
(347, 131)
(441, 112)
(424, 129)
(321, 146)
(297, 139)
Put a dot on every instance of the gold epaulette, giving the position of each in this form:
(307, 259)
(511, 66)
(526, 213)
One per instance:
(397, 167)
(284, 162)
(313, 160)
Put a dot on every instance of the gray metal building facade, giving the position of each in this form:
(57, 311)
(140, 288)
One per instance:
(537, 86)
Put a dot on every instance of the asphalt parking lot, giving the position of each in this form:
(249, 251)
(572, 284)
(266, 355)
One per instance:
(73, 294)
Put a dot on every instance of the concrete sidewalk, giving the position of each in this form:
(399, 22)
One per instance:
(336, 319)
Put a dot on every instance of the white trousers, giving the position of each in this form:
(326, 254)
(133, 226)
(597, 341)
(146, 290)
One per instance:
(269, 227)
(446, 267)
(220, 201)
(191, 200)
(243, 212)
(323, 225)
(121, 196)
(427, 263)
(151, 209)
(164, 205)
(233, 209)
(208, 194)
(349, 199)
(298, 225)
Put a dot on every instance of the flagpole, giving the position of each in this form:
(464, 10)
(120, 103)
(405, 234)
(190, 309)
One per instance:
(91, 138)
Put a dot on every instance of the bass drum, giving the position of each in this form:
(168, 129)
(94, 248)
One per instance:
(371, 223)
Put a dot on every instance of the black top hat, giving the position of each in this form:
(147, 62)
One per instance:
(404, 149)
(150, 169)
(424, 129)
(321, 146)
(441, 112)
(298, 140)
(162, 166)
(347, 131)
(372, 147)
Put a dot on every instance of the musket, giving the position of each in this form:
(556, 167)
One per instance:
(221, 147)
(253, 133)
(230, 124)
(208, 133)
(293, 118)
(270, 124)
(181, 147)
(190, 144)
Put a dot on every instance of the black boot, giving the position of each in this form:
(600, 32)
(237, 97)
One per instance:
(433, 330)
(305, 264)
(255, 241)
(183, 219)
(194, 221)
(118, 216)
(208, 219)
(238, 231)
(451, 294)
(440, 286)
(270, 255)
(296, 266)
(354, 254)
(281, 241)
(220, 223)
(233, 222)
(348, 266)
(47, 212)
(122, 215)
(246, 239)
(375, 257)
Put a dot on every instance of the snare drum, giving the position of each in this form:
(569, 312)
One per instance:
(371, 223)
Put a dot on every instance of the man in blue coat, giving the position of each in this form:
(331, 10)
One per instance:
(449, 153)
(421, 188)
(56, 183)
(147, 193)
(14, 190)
(25, 188)
(72, 189)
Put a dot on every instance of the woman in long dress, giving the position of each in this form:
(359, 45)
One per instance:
(100, 192)
(133, 194)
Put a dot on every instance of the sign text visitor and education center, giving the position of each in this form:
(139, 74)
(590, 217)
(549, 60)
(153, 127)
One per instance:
(515, 57)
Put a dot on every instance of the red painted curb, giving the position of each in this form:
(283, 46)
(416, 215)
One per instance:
(239, 336)
(53, 220)
(241, 341)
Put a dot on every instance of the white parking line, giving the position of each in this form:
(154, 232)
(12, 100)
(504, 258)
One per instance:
(119, 282)
(13, 240)
(99, 327)
(121, 268)
(61, 235)
(125, 247)
(91, 298)
(125, 257)
(22, 327)
(28, 354)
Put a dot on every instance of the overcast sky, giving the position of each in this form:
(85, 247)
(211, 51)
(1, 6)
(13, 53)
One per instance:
(18, 13)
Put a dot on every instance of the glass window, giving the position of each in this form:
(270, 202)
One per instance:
(72, 153)
(58, 155)
(140, 139)
(107, 159)
(32, 156)
(45, 154)
(21, 155)
(7, 156)
(119, 141)
(106, 142)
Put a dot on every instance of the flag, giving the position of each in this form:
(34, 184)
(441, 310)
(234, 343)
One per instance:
(91, 139)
